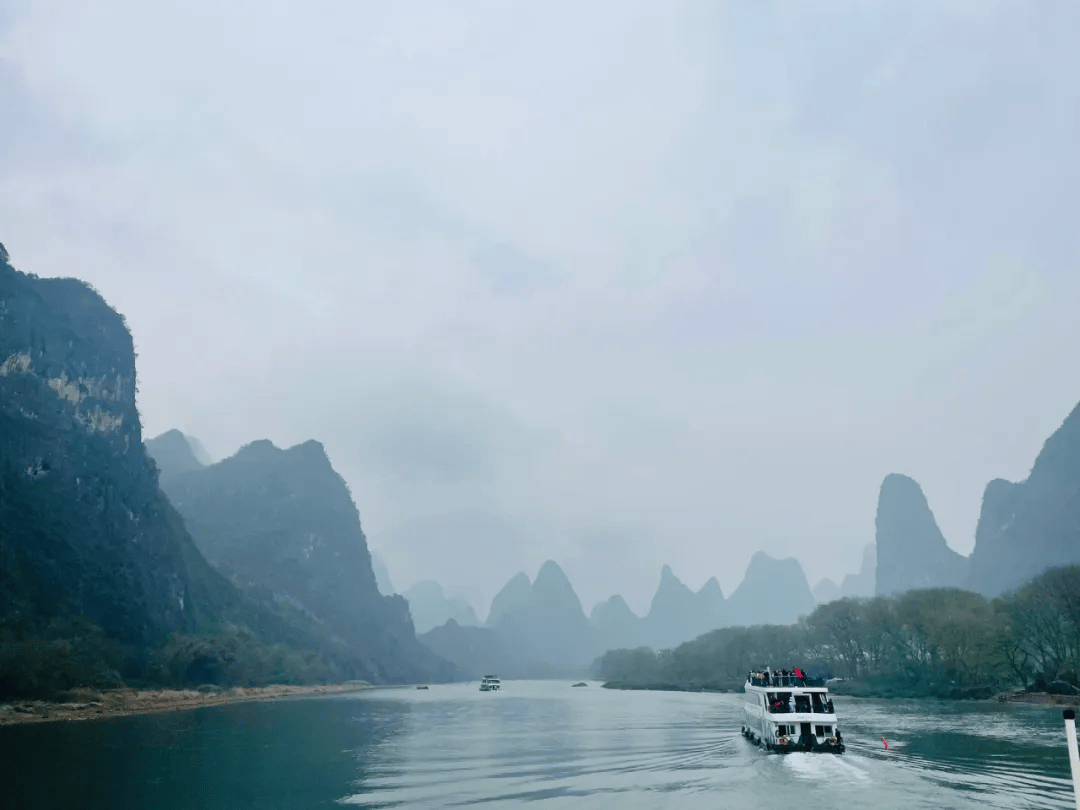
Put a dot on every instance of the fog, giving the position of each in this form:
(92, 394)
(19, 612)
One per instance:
(617, 284)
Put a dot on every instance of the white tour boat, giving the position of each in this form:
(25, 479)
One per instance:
(490, 683)
(787, 712)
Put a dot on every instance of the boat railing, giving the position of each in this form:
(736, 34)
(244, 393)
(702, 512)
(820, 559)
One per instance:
(763, 679)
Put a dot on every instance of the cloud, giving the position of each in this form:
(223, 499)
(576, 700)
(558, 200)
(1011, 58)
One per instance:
(619, 284)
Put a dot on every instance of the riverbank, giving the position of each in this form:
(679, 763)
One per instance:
(1039, 699)
(92, 704)
(667, 687)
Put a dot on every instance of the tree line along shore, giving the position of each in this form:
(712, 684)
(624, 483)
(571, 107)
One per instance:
(938, 642)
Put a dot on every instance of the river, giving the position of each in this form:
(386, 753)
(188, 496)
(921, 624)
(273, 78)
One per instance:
(538, 744)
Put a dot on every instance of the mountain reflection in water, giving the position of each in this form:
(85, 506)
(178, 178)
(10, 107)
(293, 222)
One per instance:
(452, 746)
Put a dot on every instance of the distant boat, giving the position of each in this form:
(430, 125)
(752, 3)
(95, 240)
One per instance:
(490, 683)
(787, 713)
(421, 687)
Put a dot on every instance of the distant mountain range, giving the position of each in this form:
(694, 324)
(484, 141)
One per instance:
(539, 625)
(148, 541)
(853, 585)
(431, 608)
(1024, 528)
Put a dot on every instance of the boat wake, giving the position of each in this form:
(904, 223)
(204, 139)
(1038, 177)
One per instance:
(826, 769)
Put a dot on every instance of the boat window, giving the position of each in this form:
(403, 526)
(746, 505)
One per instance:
(821, 730)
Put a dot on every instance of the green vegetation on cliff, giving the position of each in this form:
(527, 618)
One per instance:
(84, 530)
(100, 582)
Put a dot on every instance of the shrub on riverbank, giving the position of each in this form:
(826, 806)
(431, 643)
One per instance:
(66, 653)
(47, 662)
(235, 657)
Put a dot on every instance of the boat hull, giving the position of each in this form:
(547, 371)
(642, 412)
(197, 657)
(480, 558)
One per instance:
(794, 747)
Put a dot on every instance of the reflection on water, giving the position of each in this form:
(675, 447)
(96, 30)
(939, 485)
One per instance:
(452, 746)
(287, 754)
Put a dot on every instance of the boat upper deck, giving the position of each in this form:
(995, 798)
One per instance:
(766, 681)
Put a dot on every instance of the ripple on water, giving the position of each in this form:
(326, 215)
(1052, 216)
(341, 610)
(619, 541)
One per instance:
(598, 748)
(451, 746)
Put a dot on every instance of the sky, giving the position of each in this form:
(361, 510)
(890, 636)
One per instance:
(617, 284)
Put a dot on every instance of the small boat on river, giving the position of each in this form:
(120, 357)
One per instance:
(490, 683)
(787, 712)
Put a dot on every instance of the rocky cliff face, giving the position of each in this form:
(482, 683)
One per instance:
(431, 608)
(617, 627)
(862, 583)
(514, 594)
(281, 523)
(382, 576)
(670, 619)
(911, 551)
(550, 619)
(84, 529)
(712, 608)
(1028, 527)
(772, 592)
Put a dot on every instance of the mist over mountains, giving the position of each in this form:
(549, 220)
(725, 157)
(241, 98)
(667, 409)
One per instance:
(539, 627)
(282, 522)
(250, 570)
(1024, 529)
(431, 608)
(152, 542)
(852, 585)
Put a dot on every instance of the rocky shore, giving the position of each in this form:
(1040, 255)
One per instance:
(90, 704)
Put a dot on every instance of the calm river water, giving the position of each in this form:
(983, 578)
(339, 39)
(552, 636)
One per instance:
(538, 744)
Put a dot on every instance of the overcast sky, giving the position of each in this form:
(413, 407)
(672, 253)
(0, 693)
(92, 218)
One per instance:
(615, 283)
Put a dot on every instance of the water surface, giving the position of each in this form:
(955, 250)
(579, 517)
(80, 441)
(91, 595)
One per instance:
(538, 744)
